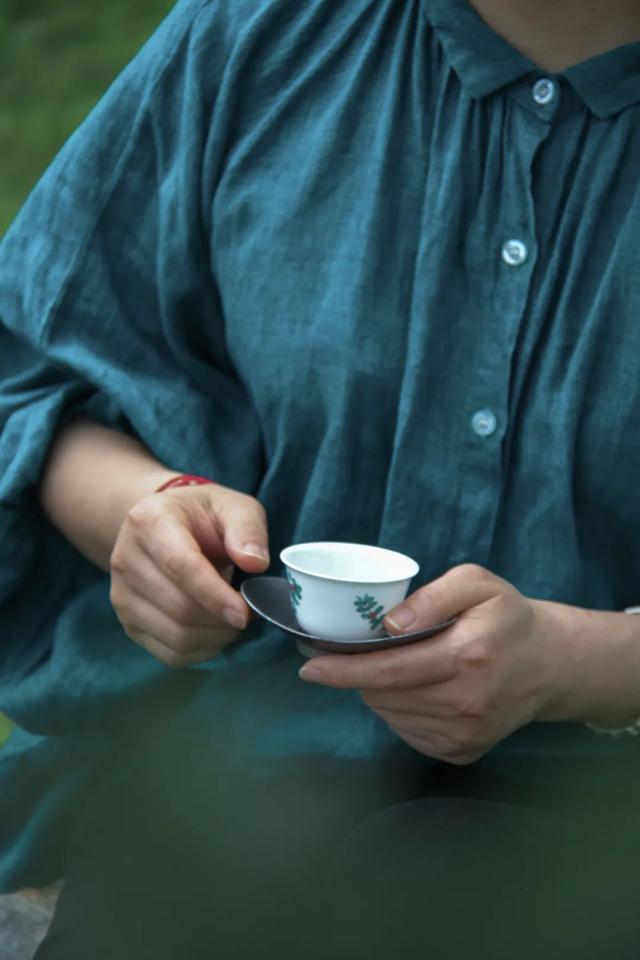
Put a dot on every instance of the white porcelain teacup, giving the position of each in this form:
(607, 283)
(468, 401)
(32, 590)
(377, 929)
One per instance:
(342, 591)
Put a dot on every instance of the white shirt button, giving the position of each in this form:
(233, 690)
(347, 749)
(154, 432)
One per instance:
(543, 91)
(484, 423)
(514, 252)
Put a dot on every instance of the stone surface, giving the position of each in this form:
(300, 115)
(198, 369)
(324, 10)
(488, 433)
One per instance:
(24, 920)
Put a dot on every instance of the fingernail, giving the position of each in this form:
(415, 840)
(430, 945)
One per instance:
(402, 618)
(255, 550)
(234, 619)
(309, 672)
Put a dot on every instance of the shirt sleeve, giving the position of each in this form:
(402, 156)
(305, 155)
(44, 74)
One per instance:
(108, 304)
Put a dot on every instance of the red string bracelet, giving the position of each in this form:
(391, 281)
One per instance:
(184, 480)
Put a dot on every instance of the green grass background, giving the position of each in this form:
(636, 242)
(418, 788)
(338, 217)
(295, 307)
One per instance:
(57, 57)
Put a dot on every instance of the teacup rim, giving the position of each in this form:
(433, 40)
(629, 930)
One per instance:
(412, 571)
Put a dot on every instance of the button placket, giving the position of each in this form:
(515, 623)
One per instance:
(514, 257)
(518, 254)
(518, 258)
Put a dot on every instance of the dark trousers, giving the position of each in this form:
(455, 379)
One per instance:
(178, 858)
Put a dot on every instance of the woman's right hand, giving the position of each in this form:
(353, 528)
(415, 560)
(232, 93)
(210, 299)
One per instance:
(171, 568)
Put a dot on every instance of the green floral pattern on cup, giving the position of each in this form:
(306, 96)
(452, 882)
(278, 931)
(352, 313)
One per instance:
(295, 590)
(369, 609)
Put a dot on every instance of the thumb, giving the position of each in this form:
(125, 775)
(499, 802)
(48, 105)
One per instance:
(444, 599)
(245, 533)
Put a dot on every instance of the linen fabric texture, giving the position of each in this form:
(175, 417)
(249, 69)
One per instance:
(273, 253)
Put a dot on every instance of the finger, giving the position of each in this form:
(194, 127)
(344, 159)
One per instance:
(434, 702)
(246, 538)
(445, 598)
(146, 581)
(143, 617)
(177, 554)
(426, 730)
(167, 655)
(417, 664)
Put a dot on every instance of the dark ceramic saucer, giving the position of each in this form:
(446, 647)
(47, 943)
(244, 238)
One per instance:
(270, 598)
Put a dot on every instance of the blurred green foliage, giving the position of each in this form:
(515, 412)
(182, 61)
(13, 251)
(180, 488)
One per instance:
(56, 59)
(5, 729)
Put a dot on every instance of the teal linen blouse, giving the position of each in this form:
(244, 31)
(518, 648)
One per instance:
(364, 261)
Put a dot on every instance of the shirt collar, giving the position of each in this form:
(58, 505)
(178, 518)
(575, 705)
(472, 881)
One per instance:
(609, 82)
(485, 62)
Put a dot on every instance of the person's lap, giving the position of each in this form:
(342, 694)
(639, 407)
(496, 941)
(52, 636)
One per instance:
(180, 858)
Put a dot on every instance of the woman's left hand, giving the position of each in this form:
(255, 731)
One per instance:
(455, 695)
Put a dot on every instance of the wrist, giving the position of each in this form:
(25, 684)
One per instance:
(184, 480)
(138, 481)
(562, 653)
(148, 479)
(93, 477)
(596, 665)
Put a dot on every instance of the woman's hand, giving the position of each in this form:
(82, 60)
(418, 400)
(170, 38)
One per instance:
(171, 566)
(506, 661)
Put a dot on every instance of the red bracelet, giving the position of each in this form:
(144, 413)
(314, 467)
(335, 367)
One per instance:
(184, 480)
